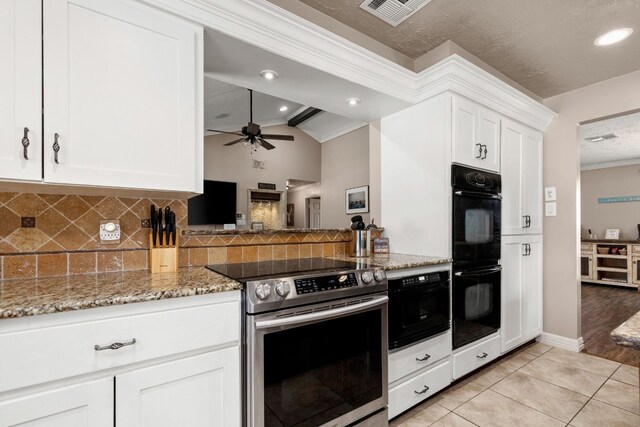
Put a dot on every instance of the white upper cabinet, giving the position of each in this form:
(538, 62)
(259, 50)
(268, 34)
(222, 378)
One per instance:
(521, 179)
(21, 89)
(476, 135)
(123, 96)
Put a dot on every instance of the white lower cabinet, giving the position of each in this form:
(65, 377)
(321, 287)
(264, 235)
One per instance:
(202, 390)
(416, 389)
(88, 404)
(470, 358)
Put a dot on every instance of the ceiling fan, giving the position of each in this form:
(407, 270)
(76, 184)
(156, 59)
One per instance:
(252, 134)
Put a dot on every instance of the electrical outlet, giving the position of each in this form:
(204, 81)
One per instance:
(145, 223)
(27, 222)
(109, 231)
(550, 209)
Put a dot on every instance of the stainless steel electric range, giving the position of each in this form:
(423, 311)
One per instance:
(315, 342)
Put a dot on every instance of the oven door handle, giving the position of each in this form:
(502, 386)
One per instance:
(322, 315)
(478, 195)
(478, 272)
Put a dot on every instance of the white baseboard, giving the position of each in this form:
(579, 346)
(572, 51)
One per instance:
(571, 344)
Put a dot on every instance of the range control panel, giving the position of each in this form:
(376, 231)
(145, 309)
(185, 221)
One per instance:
(325, 283)
(423, 279)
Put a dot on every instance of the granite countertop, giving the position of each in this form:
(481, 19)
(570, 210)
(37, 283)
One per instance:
(217, 231)
(628, 334)
(30, 297)
(390, 262)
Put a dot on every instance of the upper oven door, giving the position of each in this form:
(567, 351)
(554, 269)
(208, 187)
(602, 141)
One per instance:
(313, 365)
(476, 228)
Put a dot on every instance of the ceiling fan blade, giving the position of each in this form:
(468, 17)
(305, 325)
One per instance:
(234, 142)
(278, 137)
(266, 145)
(222, 131)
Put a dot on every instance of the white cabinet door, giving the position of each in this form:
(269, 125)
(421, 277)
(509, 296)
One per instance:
(21, 89)
(532, 180)
(512, 293)
(521, 179)
(123, 95)
(88, 404)
(466, 141)
(196, 391)
(521, 296)
(489, 133)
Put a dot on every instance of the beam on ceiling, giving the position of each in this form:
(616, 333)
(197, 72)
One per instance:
(303, 116)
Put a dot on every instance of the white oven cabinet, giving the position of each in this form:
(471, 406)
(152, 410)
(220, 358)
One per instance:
(183, 368)
(521, 296)
(20, 86)
(120, 95)
(521, 179)
(476, 135)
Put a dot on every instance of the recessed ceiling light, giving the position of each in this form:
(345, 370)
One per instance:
(353, 101)
(284, 108)
(268, 74)
(613, 36)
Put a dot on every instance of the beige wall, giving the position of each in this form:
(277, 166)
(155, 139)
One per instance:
(610, 182)
(345, 164)
(299, 159)
(562, 170)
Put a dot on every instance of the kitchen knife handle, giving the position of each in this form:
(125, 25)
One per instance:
(25, 143)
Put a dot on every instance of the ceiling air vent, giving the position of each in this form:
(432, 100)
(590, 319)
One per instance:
(600, 138)
(393, 11)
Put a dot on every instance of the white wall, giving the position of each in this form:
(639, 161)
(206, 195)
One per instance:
(562, 170)
(415, 178)
(345, 164)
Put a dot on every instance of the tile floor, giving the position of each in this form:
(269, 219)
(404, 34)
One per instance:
(536, 386)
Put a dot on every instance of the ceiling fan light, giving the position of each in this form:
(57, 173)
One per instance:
(613, 36)
(269, 74)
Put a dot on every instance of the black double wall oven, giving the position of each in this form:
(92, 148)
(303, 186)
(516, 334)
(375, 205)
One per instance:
(476, 227)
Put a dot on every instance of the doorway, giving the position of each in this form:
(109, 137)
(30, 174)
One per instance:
(314, 216)
(610, 239)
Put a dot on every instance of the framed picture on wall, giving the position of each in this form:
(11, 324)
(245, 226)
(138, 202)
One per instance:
(357, 199)
(613, 234)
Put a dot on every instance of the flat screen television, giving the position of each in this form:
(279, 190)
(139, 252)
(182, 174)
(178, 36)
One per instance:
(216, 205)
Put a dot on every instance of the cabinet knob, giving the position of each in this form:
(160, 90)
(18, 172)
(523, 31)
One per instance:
(56, 147)
(25, 143)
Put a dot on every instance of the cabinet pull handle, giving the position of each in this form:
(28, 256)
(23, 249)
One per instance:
(486, 151)
(479, 151)
(25, 143)
(528, 220)
(56, 148)
(114, 346)
(424, 359)
(484, 356)
(423, 391)
(527, 249)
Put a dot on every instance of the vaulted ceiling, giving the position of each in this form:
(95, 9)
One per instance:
(544, 45)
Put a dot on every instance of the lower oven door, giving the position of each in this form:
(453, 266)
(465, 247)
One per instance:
(476, 304)
(317, 365)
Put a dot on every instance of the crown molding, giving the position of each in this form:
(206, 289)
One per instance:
(605, 165)
(342, 130)
(269, 27)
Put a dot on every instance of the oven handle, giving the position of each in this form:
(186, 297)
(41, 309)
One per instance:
(478, 195)
(321, 315)
(478, 272)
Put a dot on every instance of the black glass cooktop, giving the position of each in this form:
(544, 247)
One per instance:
(273, 269)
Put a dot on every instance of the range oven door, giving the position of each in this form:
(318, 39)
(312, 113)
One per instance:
(476, 304)
(476, 228)
(318, 365)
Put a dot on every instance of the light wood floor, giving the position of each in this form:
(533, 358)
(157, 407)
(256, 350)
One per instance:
(603, 309)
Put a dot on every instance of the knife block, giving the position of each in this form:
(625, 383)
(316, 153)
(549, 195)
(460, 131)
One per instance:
(163, 258)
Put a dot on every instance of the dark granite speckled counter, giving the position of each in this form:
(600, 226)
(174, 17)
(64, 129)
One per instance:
(628, 334)
(30, 297)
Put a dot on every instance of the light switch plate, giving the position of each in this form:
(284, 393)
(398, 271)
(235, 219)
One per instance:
(550, 194)
(109, 237)
(550, 209)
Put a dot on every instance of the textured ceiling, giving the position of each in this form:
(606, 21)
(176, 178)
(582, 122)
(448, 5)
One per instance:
(544, 45)
(624, 148)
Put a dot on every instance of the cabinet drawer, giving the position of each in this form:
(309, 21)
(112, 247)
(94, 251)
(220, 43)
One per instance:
(472, 358)
(406, 360)
(413, 391)
(635, 249)
(588, 247)
(51, 353)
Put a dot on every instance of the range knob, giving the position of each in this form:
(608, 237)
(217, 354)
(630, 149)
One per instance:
(379, 275)
(283, 289)
(263, 291)
(367, 277)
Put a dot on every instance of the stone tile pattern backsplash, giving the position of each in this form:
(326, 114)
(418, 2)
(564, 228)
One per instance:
(65, 239)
